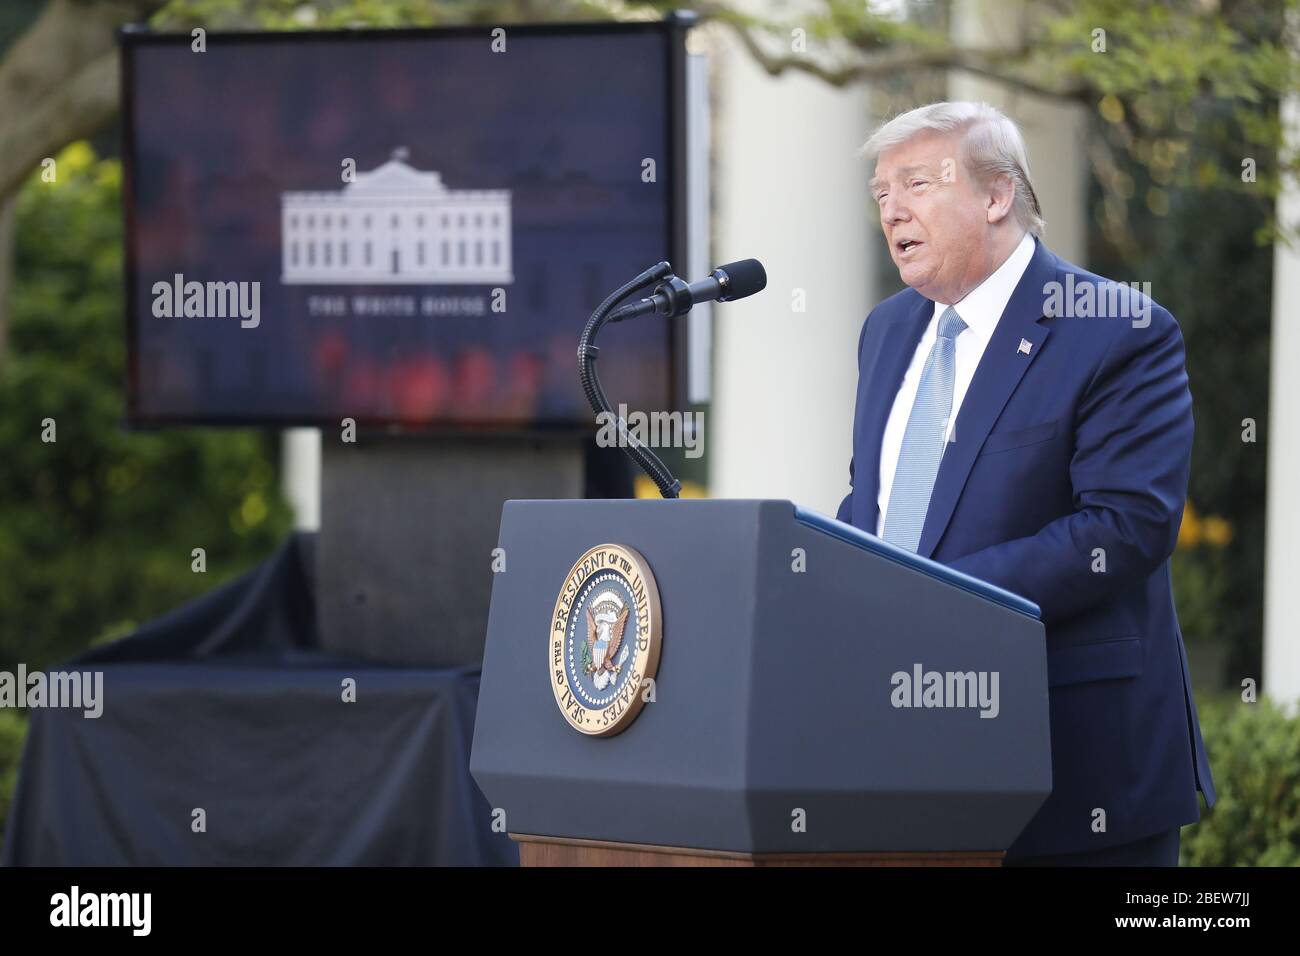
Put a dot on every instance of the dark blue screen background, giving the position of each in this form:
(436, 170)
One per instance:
(562, 121)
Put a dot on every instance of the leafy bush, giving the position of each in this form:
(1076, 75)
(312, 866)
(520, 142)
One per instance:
(1218, 284)
(1254, 751)
(97, 527)
(13, 730)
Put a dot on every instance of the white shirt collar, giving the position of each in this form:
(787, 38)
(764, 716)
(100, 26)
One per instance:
(984, 304)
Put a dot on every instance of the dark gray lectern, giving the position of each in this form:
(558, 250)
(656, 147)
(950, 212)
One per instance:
(821, 697)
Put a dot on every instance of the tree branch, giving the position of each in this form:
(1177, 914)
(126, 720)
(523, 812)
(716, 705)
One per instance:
(889, 64)
(58, 81)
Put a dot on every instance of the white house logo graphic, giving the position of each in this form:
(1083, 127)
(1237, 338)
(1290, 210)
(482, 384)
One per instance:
(396, 225)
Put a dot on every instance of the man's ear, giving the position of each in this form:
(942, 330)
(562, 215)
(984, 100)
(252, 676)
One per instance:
(1002, 194)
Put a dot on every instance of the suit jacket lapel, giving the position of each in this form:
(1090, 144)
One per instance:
(1000, 369)
(886, 375)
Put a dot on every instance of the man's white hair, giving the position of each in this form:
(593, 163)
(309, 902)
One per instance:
(991, 146)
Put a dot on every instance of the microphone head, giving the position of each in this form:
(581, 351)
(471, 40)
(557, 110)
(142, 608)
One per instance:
(739, 279)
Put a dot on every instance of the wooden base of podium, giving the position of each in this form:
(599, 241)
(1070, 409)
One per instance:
(555, 851)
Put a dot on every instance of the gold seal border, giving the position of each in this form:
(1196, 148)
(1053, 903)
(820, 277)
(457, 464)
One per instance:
(647, 661)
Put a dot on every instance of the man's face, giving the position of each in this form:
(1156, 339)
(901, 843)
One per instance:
(935, 218)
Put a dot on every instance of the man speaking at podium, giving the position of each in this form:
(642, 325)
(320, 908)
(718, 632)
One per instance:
(1028, 423)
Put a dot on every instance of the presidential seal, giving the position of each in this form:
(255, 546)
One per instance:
(604, 639)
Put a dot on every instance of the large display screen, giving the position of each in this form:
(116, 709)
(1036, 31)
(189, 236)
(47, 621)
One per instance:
(398, 227)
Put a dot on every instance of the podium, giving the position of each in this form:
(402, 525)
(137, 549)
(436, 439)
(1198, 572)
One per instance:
(820, 697)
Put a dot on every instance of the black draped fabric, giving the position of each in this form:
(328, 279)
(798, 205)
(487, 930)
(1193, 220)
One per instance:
(226, 706)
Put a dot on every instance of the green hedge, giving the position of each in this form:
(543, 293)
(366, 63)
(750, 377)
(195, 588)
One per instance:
(1254, 752)
(13, 730)
(97, 529)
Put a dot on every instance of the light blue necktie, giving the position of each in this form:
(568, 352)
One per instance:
(922, 450)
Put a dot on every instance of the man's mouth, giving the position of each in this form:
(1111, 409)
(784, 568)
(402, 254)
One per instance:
(904, 246)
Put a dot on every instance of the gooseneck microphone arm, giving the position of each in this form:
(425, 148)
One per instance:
(671, 297)
(649, 462)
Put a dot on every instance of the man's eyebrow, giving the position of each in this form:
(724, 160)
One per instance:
(876, 182)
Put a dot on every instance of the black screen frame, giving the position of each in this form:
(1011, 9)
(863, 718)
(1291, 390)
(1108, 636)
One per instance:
(672, 28)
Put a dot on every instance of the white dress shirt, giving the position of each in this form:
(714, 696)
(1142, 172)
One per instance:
(980, 310)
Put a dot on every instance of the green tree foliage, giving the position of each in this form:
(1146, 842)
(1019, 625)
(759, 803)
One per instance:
(1254, 750)
(1198, 250)
(97, 527)
(340, 14)
(13, 731)
(1149, 67)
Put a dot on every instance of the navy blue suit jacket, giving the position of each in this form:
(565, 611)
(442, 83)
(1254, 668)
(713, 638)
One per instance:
(1074, 454)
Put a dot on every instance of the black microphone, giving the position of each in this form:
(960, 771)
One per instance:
(674, 296)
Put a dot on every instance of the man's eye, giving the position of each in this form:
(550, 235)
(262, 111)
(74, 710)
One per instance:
(917, 183)
(880, 197)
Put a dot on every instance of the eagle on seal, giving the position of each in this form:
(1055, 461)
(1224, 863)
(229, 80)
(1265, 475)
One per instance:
(606, 620)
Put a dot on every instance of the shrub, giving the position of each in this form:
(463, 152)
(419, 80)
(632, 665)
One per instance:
(1254, 752)
(97, 527)
(13, 731)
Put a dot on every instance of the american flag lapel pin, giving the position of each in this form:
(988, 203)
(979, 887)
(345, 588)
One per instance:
(1025, 346)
